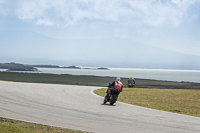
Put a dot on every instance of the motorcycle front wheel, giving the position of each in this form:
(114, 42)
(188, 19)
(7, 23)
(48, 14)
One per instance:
(113, 99)
(105, 100)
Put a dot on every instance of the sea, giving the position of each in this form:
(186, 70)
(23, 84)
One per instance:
(155, 74)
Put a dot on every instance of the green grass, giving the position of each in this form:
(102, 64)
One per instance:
(173, 100)
(91, 80)
(13, 126)
(55, 78)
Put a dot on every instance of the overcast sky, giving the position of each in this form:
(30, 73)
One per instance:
(74, 30)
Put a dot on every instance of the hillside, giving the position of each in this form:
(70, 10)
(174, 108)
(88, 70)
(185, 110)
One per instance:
(16, 67)
(110, 52)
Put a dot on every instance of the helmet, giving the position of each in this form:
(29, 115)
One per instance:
(131, 77)
(118, 79)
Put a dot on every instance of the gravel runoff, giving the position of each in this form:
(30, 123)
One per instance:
(75, 107)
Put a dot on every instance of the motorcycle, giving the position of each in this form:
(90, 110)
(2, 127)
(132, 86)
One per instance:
(112, 97)
(131, 85)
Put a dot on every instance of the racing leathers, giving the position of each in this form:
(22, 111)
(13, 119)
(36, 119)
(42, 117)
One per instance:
(131, 81)
(115, 85)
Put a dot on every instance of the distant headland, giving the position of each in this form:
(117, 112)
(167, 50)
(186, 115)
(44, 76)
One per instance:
(16, 67)
(23, 67)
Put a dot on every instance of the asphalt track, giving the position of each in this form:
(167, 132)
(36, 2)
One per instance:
(75, 107)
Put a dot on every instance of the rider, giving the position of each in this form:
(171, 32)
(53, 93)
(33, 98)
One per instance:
(131, 81)
(117, 84)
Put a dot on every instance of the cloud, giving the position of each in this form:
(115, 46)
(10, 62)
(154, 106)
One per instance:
(64, 13)
(45, 22)
(184, 3)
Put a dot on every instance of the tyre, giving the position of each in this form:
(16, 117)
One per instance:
(113, 99)
(105, 100)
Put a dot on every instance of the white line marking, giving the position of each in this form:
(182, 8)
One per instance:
(92, 91)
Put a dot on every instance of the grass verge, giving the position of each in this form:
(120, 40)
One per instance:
(173, 100)
(13, 126)
(91, 80)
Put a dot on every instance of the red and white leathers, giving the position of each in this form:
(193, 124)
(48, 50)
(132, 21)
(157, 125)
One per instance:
(118, 85)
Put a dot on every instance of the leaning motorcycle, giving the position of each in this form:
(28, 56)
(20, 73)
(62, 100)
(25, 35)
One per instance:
(112, 97)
